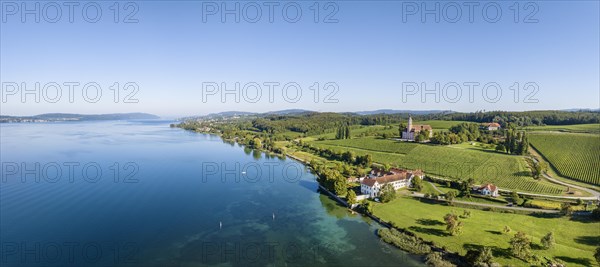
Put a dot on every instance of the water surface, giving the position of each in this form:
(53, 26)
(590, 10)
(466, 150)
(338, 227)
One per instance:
(138, 193)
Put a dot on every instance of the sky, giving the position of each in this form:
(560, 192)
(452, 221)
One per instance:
(180, 58)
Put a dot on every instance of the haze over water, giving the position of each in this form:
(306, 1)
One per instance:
(166, 196)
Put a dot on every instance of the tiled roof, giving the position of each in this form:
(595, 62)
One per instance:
(493, 124)
(420, 127)
(396, 175)
(490, 187)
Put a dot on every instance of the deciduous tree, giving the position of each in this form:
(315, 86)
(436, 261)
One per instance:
(548, 241)
(387, 193)
(520, 246)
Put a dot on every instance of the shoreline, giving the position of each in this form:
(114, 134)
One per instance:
(378, 220)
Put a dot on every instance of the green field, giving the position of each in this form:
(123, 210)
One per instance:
(575, 156)
(575, 240)
(392, 130)
(575, 128)
(457, 162)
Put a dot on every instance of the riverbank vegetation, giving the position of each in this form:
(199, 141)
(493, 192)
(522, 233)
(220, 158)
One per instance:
(575, 238)
(341, 147)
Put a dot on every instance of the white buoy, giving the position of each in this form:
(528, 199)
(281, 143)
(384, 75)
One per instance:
(220, 225)
(273, 216)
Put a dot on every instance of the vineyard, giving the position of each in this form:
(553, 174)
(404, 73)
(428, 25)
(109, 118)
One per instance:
(506, 171)
(576, 156)
(574, 128)
(392, 130)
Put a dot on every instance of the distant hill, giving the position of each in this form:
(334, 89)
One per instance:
(288, 112)
(395, 111)
(231, 114)
(582, 110)
(50, 117)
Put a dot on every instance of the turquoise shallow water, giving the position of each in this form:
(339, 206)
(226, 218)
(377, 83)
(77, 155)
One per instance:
(138, 193)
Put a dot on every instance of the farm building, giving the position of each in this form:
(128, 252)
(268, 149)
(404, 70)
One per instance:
(487, 190)
(492, 126)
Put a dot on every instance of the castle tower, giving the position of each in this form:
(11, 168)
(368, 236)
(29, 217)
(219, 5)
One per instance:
(409, 126)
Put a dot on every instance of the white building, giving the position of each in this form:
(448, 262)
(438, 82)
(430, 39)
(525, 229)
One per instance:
(488, 190)
(411, 131)
(373, 184)
(492, 126)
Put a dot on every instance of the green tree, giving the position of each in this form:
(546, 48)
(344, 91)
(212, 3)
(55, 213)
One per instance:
(500, 148)
(386, 167)
(351, 197)
(566, 209)
(466, 214)
(387, 193)
(401, 129)
(480, 257)
(347, 133)
(548, 241)
(520, 246)
(515, 197)
(450, 197)
(417, 183)
(597, 255)
(435, 259)
(340, 187)
(453, 225)
(256, 143)
(368, 207)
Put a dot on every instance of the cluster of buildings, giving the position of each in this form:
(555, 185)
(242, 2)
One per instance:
(372, 184)
(413, 130)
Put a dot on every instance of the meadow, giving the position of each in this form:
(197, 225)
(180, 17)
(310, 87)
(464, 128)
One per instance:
(575, 240)
(576, 156)
(455, 162)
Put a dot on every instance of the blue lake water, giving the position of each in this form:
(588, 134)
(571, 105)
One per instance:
(139, 193)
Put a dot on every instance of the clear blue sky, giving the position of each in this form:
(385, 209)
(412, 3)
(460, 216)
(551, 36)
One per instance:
(369, 53)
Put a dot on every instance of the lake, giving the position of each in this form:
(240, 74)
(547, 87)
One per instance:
(139, 193)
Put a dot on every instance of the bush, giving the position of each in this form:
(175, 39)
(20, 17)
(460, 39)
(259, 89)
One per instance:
(403, 241)
(435, 259)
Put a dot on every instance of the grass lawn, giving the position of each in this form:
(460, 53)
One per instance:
(575, 240)
(428, 189)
